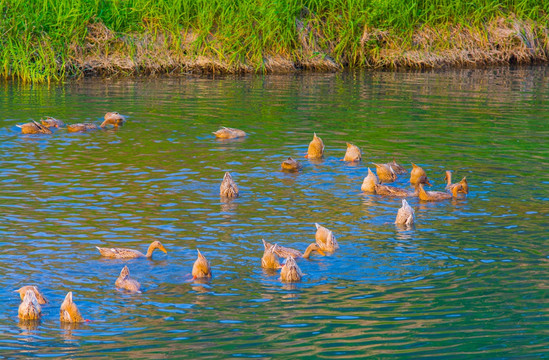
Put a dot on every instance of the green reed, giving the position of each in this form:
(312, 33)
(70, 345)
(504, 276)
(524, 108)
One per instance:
(40, 39)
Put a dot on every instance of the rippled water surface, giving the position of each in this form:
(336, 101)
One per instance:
(470, 280)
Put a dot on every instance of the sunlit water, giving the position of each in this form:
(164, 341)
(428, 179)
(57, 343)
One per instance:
(470, 280)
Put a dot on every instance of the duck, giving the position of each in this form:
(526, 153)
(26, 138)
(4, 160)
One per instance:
(291, 165)
(325, 239)
(201, 267)
(229, 133)
(23, 290)
(52, 122)
(352, 154)
(397, 168)
(69, 311)
(285, 252)
(418, 174)
(125, 282)
(436, 195)
(33, 127)
(369, 182)
(81, 127)
(388, 190)
(122, 253)
(290, 271)
(228, 188)
(270, 259)
(316, 148)
(463, 183)
(405, 215)
(114, 119)
(385, 173)
(29, 309)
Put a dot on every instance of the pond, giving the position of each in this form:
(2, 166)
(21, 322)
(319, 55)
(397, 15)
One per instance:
(469, 280)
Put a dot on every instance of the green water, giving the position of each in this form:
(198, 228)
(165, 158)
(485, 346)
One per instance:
(469, 280)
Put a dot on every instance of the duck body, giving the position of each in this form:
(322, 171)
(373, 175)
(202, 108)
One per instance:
(34, 127)
(39, 297)
(385, 173)
(291, 165)
(123, 253)
(316, 148)
(69, 311)
(282, 251)
(352, 154)
(387, 190)
(325, 239)
(418, 175)
(435, 195)
(405, 215)
(81, 127)
(397, 168)
(290, 272)
(463, 186)
(228, 188)
(201, 267)
(52, 122)
(369, 183)
(270, 259)
(125, 282)
(114, 119)
(29, 309)
(229, 133)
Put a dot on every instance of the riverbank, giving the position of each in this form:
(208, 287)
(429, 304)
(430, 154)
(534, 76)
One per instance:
(49, 42)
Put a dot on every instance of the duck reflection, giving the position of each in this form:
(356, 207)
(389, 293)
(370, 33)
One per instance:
(28, 326)
(68, 328)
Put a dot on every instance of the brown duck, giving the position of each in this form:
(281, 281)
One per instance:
(201, 267)
(228, 188)
(52, 122)
(229, 133)
(385, 173)
(291, 165)
(81, 127)
(285, 252)
(125, 282)
(29, 309)
(69, 311)
(463, 183)
(436, 195)
(123, 253)
(418, 174)
(33, 127)
(290, 271)
(114, 119)
(353, 153)
(39, 297)
(316, 148)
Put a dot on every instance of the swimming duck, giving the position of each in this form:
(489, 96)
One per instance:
(316, 148)
(40, 298)
(437, 195)
(122, 253)
(29, 309)
(114, 119)
(69, 311)
(291, 165)
(229, 133)
(369, 182)
(270, 259)
(397, 168)
(33, 128)
(385, 173)
(52, 122)
(201, 267)
(125, 282)
(387, 190)
(228, 188)
(418, 174)
(325, 239)
(81, 127)
(285, 252)
(463, 183)
(405, 215)
(290, 271)
(353, 153)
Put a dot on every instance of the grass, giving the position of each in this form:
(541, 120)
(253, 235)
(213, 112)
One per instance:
(50, 40)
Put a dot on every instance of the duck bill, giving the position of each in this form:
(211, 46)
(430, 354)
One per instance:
(321, 252)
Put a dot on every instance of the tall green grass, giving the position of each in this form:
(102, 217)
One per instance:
(39, 38)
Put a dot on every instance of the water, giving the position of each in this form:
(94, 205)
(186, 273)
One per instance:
(469, 281)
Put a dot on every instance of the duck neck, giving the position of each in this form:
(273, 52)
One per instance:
(150, 250)
(448, 178)
(312, 247)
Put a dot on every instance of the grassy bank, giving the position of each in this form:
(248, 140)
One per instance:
(47, 40)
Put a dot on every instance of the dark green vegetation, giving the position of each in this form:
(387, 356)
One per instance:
(54, 39)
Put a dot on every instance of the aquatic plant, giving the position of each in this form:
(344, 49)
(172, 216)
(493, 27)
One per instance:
(54, 39)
